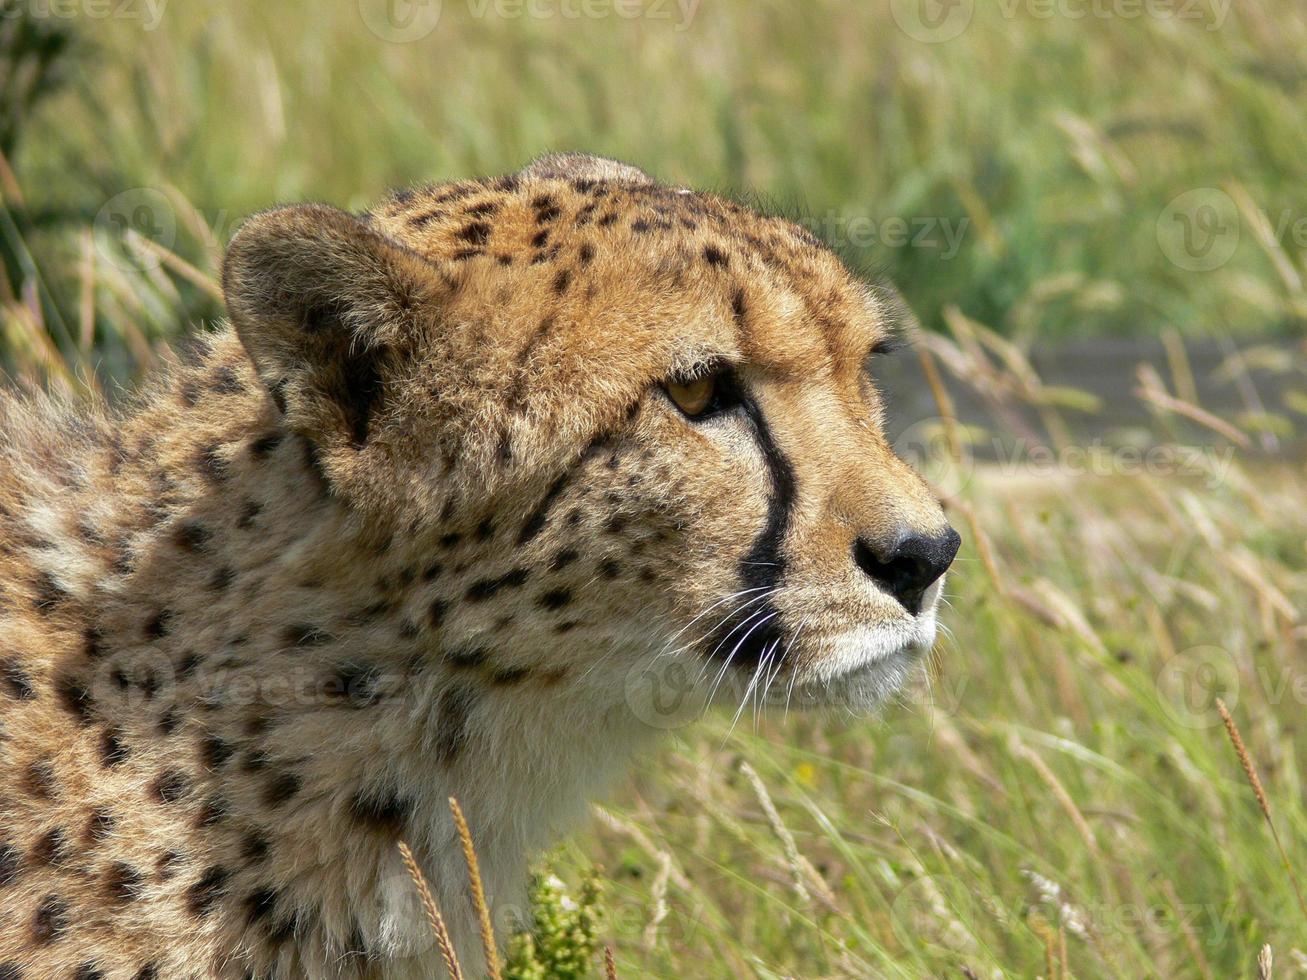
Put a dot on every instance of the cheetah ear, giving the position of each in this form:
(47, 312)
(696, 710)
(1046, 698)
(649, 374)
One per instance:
(326, 307)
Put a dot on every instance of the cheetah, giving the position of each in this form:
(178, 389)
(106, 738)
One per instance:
(457, 470)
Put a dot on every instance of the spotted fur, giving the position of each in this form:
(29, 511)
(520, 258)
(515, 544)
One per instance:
(409, 528)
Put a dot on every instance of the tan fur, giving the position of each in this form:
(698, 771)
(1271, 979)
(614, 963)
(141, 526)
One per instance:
(408, 530)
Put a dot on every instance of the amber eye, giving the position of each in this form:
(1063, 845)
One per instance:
(693, 397)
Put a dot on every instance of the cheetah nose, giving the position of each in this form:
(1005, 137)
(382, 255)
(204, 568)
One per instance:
(909, 566)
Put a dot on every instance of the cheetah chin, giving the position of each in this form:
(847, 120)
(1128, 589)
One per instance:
(477, 492)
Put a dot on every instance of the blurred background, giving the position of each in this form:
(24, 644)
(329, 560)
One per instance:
(1098, 211)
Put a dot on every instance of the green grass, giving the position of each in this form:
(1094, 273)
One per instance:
(1054, 750)
(1050, 146)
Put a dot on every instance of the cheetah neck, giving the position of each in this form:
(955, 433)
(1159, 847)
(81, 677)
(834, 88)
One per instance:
(309, 690)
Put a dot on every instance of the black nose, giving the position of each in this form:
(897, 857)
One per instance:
(910, 566)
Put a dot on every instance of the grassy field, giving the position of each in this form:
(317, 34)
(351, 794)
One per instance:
(1061, 799)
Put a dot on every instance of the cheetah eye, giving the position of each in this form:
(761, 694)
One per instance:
(703, 395)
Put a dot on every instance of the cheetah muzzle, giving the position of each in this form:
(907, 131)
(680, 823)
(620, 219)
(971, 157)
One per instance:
(470, 485)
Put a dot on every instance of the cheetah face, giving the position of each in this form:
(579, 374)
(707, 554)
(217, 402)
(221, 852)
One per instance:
(657, 407)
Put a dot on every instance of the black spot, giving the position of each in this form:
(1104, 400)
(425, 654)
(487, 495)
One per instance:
(305, 636)
(215, 752)
(485, 530)
(436, 614)
(563, 559)
(192, 536)
(74, 696)
(477, 233)
(222, 579)
(640, 226)
(39, 780)
(485, 588)
(549, 212)
(113, 751)
(122, 883)
(51, 920)
(483, 208)
(169, 721)
(455, 706)
(256, 761)
(467, 658)
(148, 972)
(432, 572)
(159, 625)
(211, 464)
(189, 392)
(11, 864)
(16, 681)
(170, 787)
(555, 599)
(88, 971)
(566, 627)
(280, 789)
(586, 254)
(265, 444)
(259, 905)
(381, 810)
(615, 524)
(540, 516)
(91, 640)
(356, 683)
(51, 847)
(187, 666)
(49, 594)
(610, 569)
(99, 825)
(541, 238)
(715, 256)
(225, 382)
(202, 896)
(509, 676)
(214, 810)
(254, 848)
(165, 868)
(249, 511)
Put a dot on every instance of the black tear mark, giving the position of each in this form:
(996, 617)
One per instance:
(202, 896)
(754, 629)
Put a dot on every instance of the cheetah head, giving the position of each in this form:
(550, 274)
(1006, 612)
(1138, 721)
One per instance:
(637, 424)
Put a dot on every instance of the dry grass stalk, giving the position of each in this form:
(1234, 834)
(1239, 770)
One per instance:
(610, 964)
(478, 891)
(433, 913)
(1251, 772)
(1264, 963)
(800, 867)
